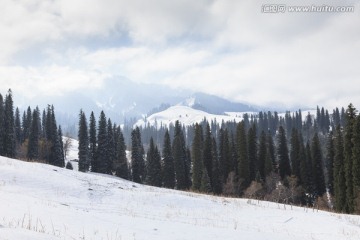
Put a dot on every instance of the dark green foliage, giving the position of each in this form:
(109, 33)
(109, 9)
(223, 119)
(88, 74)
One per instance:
(110, 147)
(330, 155)
(205, 182)
(304, 168)
(348, 160)
(264, 160)
(207, 153)
(318, 170)
(242, 153)
(225, 158)
(93, 143)
(120, 164)
(179, 154)
(168, 163)
(102, 153)
(56, 154)
(216, 181)
(283, 154)
(153, 165)
(270, 153)
(18, 130)
(2, 113)
(252, 153)
(9, 127)
(137, 159)
(295, 153)
(339, 172)
(83, 137)
(33, 146)
(197, 146)
(356, 162)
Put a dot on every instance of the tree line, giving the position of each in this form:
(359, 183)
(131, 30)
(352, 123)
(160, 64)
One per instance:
(283, 159)
(32, 136)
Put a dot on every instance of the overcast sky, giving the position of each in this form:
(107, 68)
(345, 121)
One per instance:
(223, 47)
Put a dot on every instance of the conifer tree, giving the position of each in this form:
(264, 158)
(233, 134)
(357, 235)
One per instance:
(252, 152)
(318, 173)
(304, 172)
(295, 153)
(197, 158)
(33, 146)
(348, 160)
(153, 172)
(217, 184)
(83, 137)
(62, 154)
(264, 160)
(271, 151)
(93, 143)
(9, 128)
(283, 154)
(356, 163)
(120, 163)
(2, 113)
(18, 130)
(179, 154)
(205, 182)
(207, 152)
(102, 159)
(242, 152)
(330, 155)
(137, 160)
(110, 147)
(339, 172)
(225, 155)
(168, 163)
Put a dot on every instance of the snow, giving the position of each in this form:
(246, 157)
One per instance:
(40, 201)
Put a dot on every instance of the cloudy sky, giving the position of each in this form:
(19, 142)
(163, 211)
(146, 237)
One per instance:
(225, 47)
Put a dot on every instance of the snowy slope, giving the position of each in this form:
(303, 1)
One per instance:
(44, 202)
(186, 115)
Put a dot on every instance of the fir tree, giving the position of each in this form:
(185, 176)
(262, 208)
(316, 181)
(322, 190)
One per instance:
(9, 128)
(295, 153)
(69, 166)
(252, 153)
(153, 172)
(18, 130)
(110, 147)
(2, 113)
(83, 137)
(102, 159)
(93, 143)
(33, 146)
(137, 160)
(264, 160)
(242, 153)
(205, 182)
(318, 173)
(348, 160)
(197, 158)
(168, 163)
(330, 155)
(225, 155)
(179, 154)
(271, 151)
(217, 184)
(283, 154)
(339, 172)
(120, 164)
(356, 163)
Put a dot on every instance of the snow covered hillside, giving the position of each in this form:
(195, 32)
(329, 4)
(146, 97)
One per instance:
(40, 201)
(188, 116)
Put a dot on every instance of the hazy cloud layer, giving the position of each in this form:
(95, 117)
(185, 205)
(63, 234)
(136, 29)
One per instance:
(224, 47)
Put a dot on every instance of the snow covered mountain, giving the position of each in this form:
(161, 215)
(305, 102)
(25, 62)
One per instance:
(45, 202)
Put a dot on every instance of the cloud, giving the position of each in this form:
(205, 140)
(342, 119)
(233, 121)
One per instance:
(228, 48)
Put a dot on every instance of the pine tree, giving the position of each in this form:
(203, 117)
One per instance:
(356, 163)
(83, 137)
(304, 168)
(153, 172)
(93, 143)
(264, 160)
(121, 164)
(2, 113)
(33, 146)
(339, 172)
(18, 130)
(283, 154)
(330, 155)
(62, 154)
(205, 182)
(137, 160)
(110, 147)
(271, 151)
(197, 158)
(252, 153)
(295, 153)
(225, 155)
(348, 163)
(242, 153)
(102, 159)
(168, 163)
(217, 184)
(179, 154)
(9, 128)
(318, 173)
